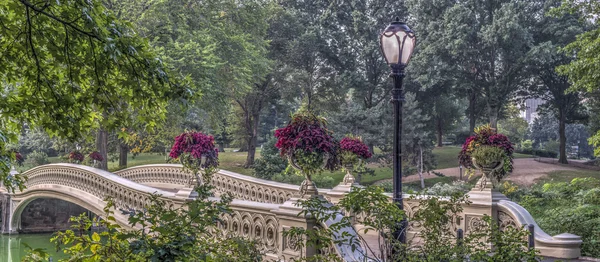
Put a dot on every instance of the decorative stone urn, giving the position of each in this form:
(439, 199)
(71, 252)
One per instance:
(349, 179)
(307, 188)
(488, 180)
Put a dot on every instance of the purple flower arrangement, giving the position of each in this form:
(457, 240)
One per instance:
(196, 146)
(96, 156)
(76, 157)
(305, 132)
(355, 146)
(19, 159)
(307, 142)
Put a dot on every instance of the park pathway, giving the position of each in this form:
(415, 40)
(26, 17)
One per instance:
(526, 172)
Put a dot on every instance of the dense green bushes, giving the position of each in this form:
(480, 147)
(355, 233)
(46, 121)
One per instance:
(537, 152)
(270, 163)
(36, 158)
(565, 207)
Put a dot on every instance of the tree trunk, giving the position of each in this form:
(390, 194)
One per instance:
(221, 147)
(421, 167)
(472, 115)
(440, 132)
(493, 115)
(251, 141)
(102, 147)
(562, 156)
(123, 150)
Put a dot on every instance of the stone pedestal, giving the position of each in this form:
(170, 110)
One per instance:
(338, 192)
(6, 211)
(484, 200)
(288, 216)
(187, 193)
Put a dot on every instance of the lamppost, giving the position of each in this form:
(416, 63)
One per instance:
(397, 44)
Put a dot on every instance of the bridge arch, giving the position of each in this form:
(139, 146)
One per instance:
(85, 186)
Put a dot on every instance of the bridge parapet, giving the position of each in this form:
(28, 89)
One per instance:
(240, 186)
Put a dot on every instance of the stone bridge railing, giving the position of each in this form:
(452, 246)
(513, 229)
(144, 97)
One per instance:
(254, 218)
(484, 201)
(240, 186)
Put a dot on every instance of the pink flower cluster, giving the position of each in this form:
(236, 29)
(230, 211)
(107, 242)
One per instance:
(305, 132)
(96, 156)
(197, 145)
(76, 156)
(356, 146)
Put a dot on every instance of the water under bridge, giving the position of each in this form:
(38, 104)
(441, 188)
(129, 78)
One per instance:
(261, 209)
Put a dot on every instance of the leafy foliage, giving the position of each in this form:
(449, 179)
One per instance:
(487, 156)
(307, 140)
(37, 158)
(560, 207)
(435, 217)
(270, 163)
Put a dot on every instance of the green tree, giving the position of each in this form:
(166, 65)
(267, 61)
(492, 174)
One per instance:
(65, 64)
(550, 34)
(445, 114)
(513, 125)
(484, 42)
(582, 70)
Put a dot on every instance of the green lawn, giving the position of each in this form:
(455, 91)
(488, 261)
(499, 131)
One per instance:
(446, 157)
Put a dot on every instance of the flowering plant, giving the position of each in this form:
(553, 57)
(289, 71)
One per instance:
(352, 150)
(306, 141)
(76, 157)
(96, 156)
(196, 151)
(486, 136)
(19, 159)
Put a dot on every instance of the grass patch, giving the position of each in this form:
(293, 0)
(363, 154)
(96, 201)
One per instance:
(446, 157)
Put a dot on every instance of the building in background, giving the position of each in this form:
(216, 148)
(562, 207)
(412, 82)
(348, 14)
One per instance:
(529, 112)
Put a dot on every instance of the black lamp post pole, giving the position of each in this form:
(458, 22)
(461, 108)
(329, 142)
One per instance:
(397, 99)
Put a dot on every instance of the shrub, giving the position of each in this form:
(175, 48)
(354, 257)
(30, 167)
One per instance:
(527, 144)
(270, 163)
(573, 207)
(444, 189)
(552, 146)
(37, 158)
(538, 152)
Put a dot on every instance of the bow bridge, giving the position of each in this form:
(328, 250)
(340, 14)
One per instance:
(262, 209)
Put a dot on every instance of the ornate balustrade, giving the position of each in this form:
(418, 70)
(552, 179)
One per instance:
(240, 186)
(506, 213)
(88, 187)
(262, 210)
